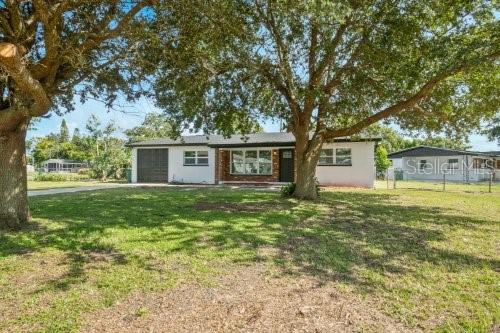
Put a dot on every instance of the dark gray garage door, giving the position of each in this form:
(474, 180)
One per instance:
(152, 165)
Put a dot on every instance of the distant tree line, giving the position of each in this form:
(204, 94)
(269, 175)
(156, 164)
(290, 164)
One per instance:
(105, 153)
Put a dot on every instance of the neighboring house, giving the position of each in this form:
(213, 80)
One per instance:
(254, 158)
(432, 163)
(62, 165)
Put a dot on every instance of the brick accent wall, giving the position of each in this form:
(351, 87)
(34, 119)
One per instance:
(224, 169)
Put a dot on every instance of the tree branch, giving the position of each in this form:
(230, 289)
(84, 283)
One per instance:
(312, 47)
(276, 82)
(283, 60)
(50, 27)
(330, 85)
(11, 117)
(16, 19)
(329, 57)
(11, 62)
(95, 40)
(421, 94)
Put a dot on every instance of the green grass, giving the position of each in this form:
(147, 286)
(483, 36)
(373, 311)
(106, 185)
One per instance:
(43, 185)
(427, 258)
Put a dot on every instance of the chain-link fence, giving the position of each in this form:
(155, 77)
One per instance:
(397, 179)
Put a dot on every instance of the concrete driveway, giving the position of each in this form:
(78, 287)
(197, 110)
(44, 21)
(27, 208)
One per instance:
(51, 191)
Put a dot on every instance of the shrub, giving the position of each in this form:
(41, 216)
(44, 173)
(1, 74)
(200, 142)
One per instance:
(84, 171)
(288, 189)
(58, 177)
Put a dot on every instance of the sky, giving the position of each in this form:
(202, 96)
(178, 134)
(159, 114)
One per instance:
(135, 114)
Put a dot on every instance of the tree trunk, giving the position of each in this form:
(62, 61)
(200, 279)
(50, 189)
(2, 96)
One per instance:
(14, 211)
(305, 185)
(307, 156)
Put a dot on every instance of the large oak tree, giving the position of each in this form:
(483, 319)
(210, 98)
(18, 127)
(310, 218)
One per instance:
(329, 69)
(50, 52)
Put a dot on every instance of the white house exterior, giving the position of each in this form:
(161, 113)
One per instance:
(360, 173)
(432, 163)
(264, 158)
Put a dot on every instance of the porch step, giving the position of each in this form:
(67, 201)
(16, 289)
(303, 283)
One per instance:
(263, 184)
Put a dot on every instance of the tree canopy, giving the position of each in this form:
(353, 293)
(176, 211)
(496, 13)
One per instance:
(64, 131)
(52, 53)
(393, 141)
(54, 50)
(327, 67)
(339, 65)
(155, 125)
(493, 130)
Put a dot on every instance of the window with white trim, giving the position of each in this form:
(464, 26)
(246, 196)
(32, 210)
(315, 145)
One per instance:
(326, 157)
(251, 162)
(195, 157)
(339, 156)
(343, 156)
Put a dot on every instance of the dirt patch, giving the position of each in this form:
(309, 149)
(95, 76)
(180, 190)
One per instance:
(247, 300)
(232, 207)
(27, 280)
(103, 256)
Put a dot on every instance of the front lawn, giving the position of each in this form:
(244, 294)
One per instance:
(412, 259)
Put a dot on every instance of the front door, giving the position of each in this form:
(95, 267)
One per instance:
(287, 165)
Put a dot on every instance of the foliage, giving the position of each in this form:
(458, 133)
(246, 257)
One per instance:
(493, 130)
(51, 146)
(54, 50)
(108, 155)
(289, 189)
(154, 126)
(393, 141)
(76, 139)
(54, 53)
(63, 132)
(382, 162)
(58, 177)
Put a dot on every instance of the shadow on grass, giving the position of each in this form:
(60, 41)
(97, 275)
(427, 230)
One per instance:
(372, 232)
(125, 225)
(360, 230)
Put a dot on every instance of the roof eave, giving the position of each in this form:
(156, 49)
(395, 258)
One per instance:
(254, 144)
(138, 145)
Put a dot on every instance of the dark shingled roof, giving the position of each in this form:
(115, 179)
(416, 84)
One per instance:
(256, 139)
(188, 140)
(435, 151)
